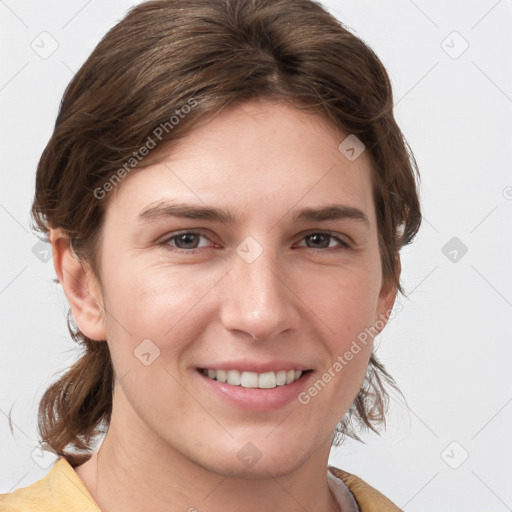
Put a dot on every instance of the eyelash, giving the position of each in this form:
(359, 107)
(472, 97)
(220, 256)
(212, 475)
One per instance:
(342, 244)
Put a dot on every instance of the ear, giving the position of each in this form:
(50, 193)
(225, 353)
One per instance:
(80, 286)
(386, 299)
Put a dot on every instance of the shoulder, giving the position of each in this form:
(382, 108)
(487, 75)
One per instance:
(61, 490)
(367, 497)
(28, 499)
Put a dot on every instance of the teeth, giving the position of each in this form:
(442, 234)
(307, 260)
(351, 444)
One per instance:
(249, 380)
(233, 377)
(267, 380)
(281, 378)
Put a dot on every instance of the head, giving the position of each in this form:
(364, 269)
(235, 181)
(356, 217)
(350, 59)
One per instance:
(221, 105)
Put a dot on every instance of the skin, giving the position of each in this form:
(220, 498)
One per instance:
(171, 441)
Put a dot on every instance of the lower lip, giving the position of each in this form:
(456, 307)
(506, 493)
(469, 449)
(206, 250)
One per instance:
(256, 399)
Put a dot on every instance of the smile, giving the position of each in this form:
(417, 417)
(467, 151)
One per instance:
(266, 380)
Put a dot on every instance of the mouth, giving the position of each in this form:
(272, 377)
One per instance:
(257, 391)
(247, 379)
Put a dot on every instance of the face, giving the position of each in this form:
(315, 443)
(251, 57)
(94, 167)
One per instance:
(214, 266)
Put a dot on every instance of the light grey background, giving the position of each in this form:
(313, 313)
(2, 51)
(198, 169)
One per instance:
(449, 348)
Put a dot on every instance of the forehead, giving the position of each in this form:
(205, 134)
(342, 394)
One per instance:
(254, 158)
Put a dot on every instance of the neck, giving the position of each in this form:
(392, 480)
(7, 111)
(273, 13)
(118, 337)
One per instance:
(118, 484)
(129, 476)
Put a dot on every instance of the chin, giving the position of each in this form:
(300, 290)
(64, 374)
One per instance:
(261, 459)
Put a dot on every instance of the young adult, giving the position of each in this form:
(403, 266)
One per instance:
(226, 193)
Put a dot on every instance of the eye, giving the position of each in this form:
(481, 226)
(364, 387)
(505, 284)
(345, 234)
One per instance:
(321, 240)
(185, 242)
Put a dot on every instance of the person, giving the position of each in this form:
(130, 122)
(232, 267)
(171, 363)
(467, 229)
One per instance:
(226, 192)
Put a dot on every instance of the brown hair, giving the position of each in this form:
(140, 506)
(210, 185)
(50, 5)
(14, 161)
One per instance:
(162, 56)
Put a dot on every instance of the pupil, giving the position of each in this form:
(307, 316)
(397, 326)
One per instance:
(186, 238)
(316, 236)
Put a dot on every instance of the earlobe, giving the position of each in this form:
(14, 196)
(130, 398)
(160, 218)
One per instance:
(80, 286)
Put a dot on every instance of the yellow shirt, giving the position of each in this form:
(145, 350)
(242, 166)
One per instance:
(61, 490)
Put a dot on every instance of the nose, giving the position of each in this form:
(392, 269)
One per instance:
(259, 300)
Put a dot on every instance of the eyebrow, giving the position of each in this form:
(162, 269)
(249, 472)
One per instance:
(189, 211)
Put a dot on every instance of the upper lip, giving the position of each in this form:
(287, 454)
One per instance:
(255, 366)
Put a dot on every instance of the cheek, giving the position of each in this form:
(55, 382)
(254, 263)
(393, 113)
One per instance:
(151, 302)
(159, 299)
(347, 309)
(150, 312)
(345, 302)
